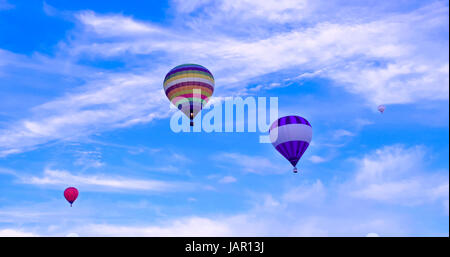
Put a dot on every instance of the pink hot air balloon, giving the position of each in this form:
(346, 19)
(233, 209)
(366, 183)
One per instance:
(71, 194)
(381, 108)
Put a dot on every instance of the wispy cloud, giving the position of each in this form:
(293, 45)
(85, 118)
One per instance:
(114, 25)
(342, 133)
(248, 163)
(378, 54)
(184, 227)
(227, 180)
(88, 159)
(396, 175)
(317, 159)
(103, 182)
(118, 101)
(7, 232)
(375, 58)
(44, 64)
(4, 5)
(313, 194)
(313, 208)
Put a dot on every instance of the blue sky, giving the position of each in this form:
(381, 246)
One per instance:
(82, 105)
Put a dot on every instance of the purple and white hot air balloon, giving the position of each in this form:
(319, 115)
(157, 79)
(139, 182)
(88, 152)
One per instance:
(291, 136)
(381, 108)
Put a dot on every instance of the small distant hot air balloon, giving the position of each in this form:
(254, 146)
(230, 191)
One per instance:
(381, 108)
(189, 87)
(291, 136)
(71, 194)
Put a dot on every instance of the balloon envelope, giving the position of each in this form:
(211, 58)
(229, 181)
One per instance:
(381, 108)
(189, 87)
(291, 136)
(71, 194)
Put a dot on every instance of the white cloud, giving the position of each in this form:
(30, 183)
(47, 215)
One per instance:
(102, 182)
(259, 223)
(4, 5)
(375, 59)
(312, 194)
(88, 159)
(8, 171)
(310, 209)
(189, 6)
(313, 208)
(379, 58)
(317, 159)
(43, 64)
(248, 163)
(360, 123)
(402, 82)
(116, 101)
(372, 235)
(342, 133)
(7, 232)
(184, 227)
(114, 25)
(277, 11)
(299, 211)
(390, 163)
(227, 180)
(395, 175)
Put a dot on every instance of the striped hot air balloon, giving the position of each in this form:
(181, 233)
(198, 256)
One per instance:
(381, 108)
(291, 136)
(189, 87)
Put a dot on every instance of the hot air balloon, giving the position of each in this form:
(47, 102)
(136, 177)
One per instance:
(71, 194)
(189, 87)
(381, 108)
(291, 136)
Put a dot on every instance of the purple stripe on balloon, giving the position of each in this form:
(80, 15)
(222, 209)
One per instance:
(301, 149)
(297, 147)
(193, 95)
(292, 120)
(304, 121)
(292, 150)
(289, 120)
(304, 148)
(175, 70)
(190, 83)
(282, 149)
(288, 150)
